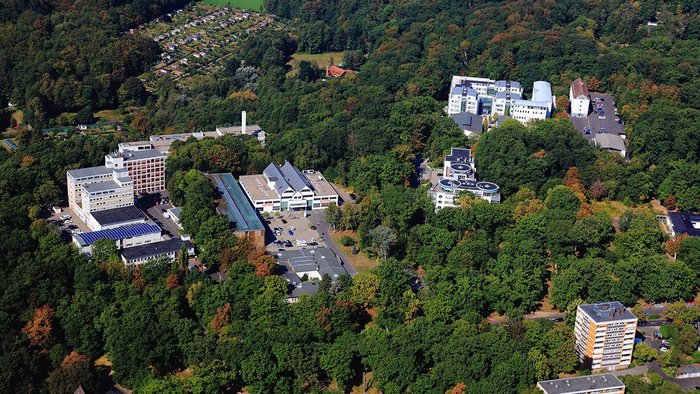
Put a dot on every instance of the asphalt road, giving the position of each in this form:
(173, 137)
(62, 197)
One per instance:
(319, 219)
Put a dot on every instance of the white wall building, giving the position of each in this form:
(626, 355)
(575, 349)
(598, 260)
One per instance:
(285, 188)
(539, 107)
(482, 95)
(579, 98)
(124, 236)
(604, 335)
(459, 175)
(117, 192)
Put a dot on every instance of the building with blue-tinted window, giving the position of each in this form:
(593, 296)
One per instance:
(124, 236)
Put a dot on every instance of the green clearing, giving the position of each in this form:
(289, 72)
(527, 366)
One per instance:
(321, 59)
(360, 261)
(255, 5)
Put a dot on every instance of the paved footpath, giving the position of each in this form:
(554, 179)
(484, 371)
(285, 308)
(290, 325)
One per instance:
(318, 218)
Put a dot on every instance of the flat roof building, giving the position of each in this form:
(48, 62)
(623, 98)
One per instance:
(592, 384)
(163, 142)
(482, 96)
(604, 335)
(125, 236)
(285, 188)
(113, 185)
(239, 211)
(610, 143)
(117, 217)
(169, 248)
(145, 167)
(539, 107)
(314, 263)
(459, 175)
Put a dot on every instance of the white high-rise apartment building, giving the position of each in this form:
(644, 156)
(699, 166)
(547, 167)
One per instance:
(604, 335)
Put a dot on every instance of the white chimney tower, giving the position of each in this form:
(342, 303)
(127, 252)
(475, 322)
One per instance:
(243, 120)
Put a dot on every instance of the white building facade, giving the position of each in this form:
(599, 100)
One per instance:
(459, 176)
(579, 98)
(482, 96)
(285, 188)
(540, 107)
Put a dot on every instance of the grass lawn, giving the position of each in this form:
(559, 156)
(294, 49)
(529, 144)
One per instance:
(613, 208)
(256, 5)
(360, 261)
(109, 115)
(321, 59)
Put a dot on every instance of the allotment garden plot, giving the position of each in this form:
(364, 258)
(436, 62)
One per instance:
(198, 39)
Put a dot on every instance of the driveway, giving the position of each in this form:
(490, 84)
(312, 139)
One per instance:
(345, 197)
(687, 384)
(319, 218)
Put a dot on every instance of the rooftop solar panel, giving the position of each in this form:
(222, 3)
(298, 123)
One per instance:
(132, 230)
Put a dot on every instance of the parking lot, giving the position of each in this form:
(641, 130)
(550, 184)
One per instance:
(70, 225)
(594, 124)
(293, 227)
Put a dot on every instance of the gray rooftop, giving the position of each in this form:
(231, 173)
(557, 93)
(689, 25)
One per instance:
(687, 369)
(305, 260)
(101, 186)
(580, 384)
(155, 249)
(468, 121)
(138, 154)
(610, 142)
(286, 177)
(458, 155)
(118, 215)
(503, 83)
(606, 312)
(89, 171)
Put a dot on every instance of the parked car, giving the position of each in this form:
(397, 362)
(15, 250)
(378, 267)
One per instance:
(65, 217)
(284, 221)
(291, 232)
(288, 244)
(663, 349)
(313, 227)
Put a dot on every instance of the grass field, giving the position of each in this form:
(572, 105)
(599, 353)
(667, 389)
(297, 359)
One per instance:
(321, 60)
(360, 261)
(256, 5)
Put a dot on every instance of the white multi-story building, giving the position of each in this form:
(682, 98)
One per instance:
(459, 175)
(579, 98)
(285, 188)
(113, 193)
(540, 106)
(482, 96)
(146, 168)
(604, 335)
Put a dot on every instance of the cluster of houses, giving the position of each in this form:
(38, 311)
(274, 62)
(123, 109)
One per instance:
(202, 37)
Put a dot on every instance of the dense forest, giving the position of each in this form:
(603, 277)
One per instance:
(167, 329)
